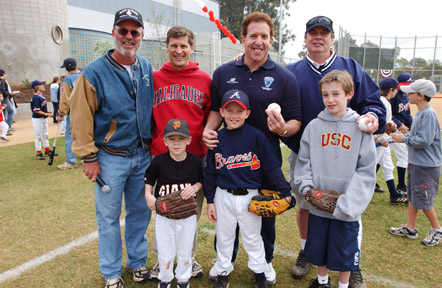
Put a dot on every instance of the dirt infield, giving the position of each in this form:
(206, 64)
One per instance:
(25, 133)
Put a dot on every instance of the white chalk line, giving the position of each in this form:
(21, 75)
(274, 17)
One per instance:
(34, 263)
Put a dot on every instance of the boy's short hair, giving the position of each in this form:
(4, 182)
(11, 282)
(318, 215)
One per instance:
(179, 31)
(340, 76)
(177, 127)
(421, 86)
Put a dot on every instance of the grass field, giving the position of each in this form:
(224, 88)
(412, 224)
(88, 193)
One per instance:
(43, 209)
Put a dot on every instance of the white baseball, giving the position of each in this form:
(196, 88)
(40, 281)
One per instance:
(363, 125)
(274, 106)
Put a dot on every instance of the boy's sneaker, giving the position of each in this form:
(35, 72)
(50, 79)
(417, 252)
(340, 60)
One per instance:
(140, 274)
(40, 156)
(8, 134)
(66, 166)
(114, 283)
(378, 189)
(301, 266)
(270, 275)
(4, 139)
(11, 129)
(163, 284)
(356, 280)
(197, 270)
(399, 200)
(261, 283)
(222, 281)
(404, 231)
(213, 274)
(401, 190)
(315, 284)
(433, 238)
(183, 285)
(155, 271)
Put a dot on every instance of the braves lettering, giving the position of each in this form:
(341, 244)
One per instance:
(239, 160)
(178, 92)
(166, 189)
(336, 139)
(403, 107)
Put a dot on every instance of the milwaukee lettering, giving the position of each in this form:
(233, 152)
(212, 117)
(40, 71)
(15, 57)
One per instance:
(178, 92)
(336, 139)
(222, 161)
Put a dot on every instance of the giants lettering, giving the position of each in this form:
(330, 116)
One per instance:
(166, 189)
(178, 92)
(336, 139)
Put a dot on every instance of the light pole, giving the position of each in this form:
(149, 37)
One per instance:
(281, 11)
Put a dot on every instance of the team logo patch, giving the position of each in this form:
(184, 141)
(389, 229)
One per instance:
(318, 194)
(276, 203)
(176, 125)
(232, 81)
(268, 81)
(164, 207)
(62, 90)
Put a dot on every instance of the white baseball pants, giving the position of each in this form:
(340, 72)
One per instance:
(40, 132)
(401, 152)
(384, 159)
(175, 237)
(230, 211)
(3, 128)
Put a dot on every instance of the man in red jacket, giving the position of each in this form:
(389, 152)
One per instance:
(181, 90)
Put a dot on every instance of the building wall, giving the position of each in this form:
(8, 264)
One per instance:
(27, 50)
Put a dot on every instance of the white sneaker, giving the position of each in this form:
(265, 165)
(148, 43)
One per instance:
(66, 166)
(213, 274)
(114, 283)
(197, 270)
(270, 275)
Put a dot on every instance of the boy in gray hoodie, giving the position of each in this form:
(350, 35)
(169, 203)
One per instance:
(336, 155)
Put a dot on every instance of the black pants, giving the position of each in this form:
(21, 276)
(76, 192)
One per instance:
(55, 105)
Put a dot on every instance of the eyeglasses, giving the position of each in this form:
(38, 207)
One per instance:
(124, 31)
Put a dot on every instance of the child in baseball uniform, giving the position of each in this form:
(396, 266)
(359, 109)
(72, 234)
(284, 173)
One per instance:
(388, 87)
(173, 171)
(336, 155)
(234, 172)
(424, 163)
(401, 115)
(40, 114)
(3, 125)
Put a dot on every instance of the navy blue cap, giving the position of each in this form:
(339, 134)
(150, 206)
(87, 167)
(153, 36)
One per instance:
(405, 78)
(319, 21)
(388, 83)
(237, 96)
(128, 13)
(35, 83)
(69, 62)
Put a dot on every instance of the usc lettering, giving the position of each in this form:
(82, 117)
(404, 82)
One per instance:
(336, 139)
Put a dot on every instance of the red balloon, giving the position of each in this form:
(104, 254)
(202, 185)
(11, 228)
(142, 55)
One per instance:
(218, 25)
(210, 13)
(212, 18)
(217, 22)
(224, 29)
(205, 9)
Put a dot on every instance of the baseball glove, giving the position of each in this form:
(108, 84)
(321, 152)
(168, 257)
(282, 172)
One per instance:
(174, 207)
(321, 199)
(269, 206)
(390, 128)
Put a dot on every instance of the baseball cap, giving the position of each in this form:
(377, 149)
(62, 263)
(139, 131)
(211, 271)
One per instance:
(176, 127)
(319, 21)
(35, 83)
(69, 62)
(2, 72)
(128, 13)
(388, 83)
(237, 96)
(405, 79)
(422, 86)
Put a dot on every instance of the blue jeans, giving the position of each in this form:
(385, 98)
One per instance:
(125, 177)
(9, 112)
(70, 156)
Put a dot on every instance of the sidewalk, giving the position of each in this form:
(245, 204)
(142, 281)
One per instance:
(25, 133)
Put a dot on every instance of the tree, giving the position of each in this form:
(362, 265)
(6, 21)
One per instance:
(232, 13)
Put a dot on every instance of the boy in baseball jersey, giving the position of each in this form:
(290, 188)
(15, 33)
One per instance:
(39, 118)
(334, 140)
(173, 171)
(424, 162)
(234, 172)
(388, 87)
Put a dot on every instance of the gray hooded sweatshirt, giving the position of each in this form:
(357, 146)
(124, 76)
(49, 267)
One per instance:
(336, 155)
